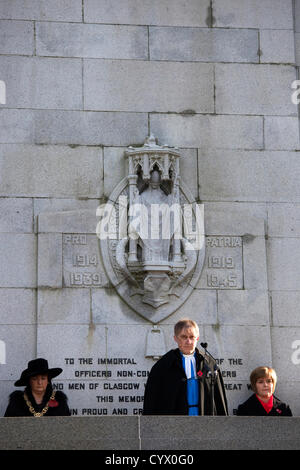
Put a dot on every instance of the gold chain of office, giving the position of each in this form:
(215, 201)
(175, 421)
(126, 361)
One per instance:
(44, 410)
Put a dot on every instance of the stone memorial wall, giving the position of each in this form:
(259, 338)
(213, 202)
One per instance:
(83, 84)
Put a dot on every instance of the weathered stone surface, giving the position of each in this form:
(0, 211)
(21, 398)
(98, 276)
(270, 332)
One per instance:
(247, 307)
(90, 128)
(277, 46)
(91, 40)
(44, 83)
(63, 306)
(204, 45)
(150, 86)
(16, 37)
(17, 126)
(17, 306)
(16, 215)
(190, 130)
(245, 176)
(32, 170)
(284, 220)
(285, 308)
(283, 266)
(281, 133)
(57, 10)
(17, 260)
(153, 12)
(254, 89)
(18, 351)
(267, 14)
(50, 260)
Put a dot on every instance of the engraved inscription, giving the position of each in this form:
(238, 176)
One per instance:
(81, 264)
(223, 268)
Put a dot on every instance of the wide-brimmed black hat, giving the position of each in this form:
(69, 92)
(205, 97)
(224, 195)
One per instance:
(36, 367)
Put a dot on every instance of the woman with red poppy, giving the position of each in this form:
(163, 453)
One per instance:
(38, 399)
(263, 402)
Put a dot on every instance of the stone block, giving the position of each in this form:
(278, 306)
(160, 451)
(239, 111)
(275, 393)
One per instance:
(242, 348)
(41, 205)
(277, 46)
(201, 306)
(297, 49)
(283, 263)
(190, 130)
(286, 352)
(20, 341)
(17, 260)
(297, 16)
(62, 433)
(17, 306)
(17, 126)
(268, 14)
(285, 310)
(219, 433)
(90, 128)
(282, 133)
(108, 308)
(45, 83)
(50, 171)
(148, 12)
(284, 220)
(115, 167)
(246, 307)
(50, 260)
(203, 44)
(255, 262)
(16, 37)
(56, 10)
(254, 89)
(150, 86)
(234, 217)
(91, 40)
(69, 222)
(16, 215)
(245, 176)
(62, 306)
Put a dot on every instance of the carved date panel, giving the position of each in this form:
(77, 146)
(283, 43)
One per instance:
(223, 266)
(81, 263)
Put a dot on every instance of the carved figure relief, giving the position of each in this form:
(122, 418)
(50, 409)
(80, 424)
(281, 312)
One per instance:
(151, 234)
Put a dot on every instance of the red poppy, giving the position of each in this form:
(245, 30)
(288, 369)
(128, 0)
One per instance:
(53, 403)
(199, 373)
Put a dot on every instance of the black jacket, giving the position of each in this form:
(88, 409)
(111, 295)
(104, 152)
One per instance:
(18, 407)
(166, 387)
(253, 407)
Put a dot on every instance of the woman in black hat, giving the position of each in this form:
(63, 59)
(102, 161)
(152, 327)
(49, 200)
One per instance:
(38, 399)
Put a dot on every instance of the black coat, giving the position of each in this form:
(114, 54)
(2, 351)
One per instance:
(253, 407)
(18, 407)
(166, 387)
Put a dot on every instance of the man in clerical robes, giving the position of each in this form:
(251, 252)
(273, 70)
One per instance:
(183, 381)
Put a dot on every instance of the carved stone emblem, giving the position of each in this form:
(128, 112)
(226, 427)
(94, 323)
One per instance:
(151, 233)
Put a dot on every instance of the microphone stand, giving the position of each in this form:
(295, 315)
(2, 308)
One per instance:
(213, 377)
